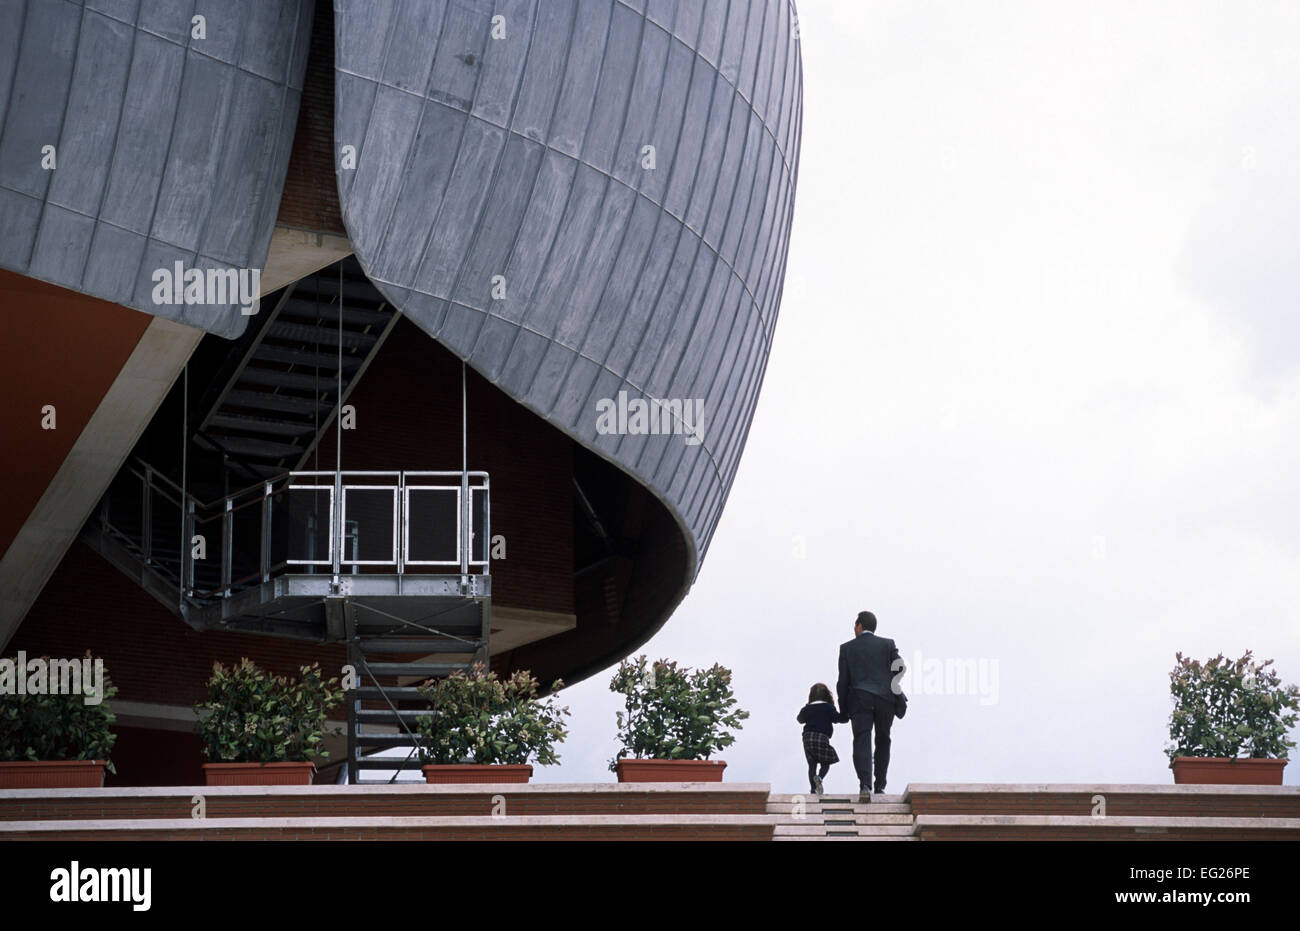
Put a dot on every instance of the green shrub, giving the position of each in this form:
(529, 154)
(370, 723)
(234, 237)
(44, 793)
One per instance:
(57, 727)
(252, 716)
(1230, 708)
(672, 713)
(477, 717)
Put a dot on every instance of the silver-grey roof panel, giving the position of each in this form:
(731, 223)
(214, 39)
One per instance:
(171, 138)
(505, 198)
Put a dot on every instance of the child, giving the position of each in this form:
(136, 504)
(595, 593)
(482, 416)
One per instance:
(819, 718)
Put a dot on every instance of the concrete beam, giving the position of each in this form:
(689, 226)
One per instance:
(513, 627)
(295, 254)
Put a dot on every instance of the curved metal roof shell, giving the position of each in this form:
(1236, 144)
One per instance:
(590, 202)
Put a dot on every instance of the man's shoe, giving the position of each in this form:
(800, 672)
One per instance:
(864, 797)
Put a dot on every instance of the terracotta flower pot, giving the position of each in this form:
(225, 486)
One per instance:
(52, 774)
(632, 770)
(442, 774)
(258, 774)
(1225, 771)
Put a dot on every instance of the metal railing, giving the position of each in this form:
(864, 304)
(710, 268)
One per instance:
(302, 522)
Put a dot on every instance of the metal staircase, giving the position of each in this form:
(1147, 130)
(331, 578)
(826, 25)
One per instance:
(394, 564)
(391, 658)
(273, 401)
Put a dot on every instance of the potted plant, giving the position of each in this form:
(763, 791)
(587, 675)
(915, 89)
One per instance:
(673, 720)
(262, 729)
(1230, 722)
(484, 729)
(59, 741)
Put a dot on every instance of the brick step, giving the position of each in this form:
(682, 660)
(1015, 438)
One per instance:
(1075, 827)
(1120, 799)
(222, 802)
(524, 827)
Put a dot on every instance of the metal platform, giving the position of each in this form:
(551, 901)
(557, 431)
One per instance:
(393, 564)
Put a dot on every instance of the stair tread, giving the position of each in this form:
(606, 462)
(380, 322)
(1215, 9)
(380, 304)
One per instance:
(796, 838)
(265, 400)
(323, 334)
(357, 316)
(258, 448)
(258, 375)
(327, 362)
(278, 426)
(864, 831)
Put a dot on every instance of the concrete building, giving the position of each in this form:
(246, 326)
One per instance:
(533, 248)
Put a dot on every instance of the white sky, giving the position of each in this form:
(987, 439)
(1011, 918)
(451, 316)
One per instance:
(1035, 389)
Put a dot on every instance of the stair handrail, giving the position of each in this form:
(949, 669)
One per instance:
(195, 512)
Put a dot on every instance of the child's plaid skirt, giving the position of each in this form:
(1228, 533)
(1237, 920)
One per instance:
(817, 748)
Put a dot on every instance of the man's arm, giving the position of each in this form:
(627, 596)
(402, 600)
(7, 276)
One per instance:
(843, 684)
(896, 669)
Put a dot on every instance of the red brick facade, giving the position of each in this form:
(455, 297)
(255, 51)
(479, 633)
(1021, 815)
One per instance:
(311, 200)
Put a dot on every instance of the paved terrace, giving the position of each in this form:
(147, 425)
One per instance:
(665, 811)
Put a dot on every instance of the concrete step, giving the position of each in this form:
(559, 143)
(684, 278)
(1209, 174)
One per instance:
(806, 837)
(822, 830)
(837, 798)
(873, 818)
(785, 808)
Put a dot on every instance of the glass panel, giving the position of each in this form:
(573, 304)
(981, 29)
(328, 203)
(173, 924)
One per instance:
(431, 525)
(206, 570)
(308, 524)
(125, 509)
(246, 544)
(368, 525)
(479, 544)
(165, 534)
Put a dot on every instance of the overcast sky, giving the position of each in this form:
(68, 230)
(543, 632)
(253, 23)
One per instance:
(1035, 389)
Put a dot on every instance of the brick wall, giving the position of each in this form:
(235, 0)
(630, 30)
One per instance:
(364, 801)
(148, 651)
(311, 199)
(46, 367)
(1123, 803)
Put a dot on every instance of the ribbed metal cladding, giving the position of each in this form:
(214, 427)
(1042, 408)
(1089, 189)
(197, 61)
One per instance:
(169, 148)
(503, 198)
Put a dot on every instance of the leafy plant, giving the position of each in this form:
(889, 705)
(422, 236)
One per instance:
(252, 716)
(1230, 708)
(477, 717)
(57, 727)
(673, 713)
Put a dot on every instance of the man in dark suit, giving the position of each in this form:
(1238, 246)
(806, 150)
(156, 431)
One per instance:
(868, 667)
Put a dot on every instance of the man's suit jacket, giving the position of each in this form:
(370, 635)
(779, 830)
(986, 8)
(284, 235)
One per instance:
(867, 665)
